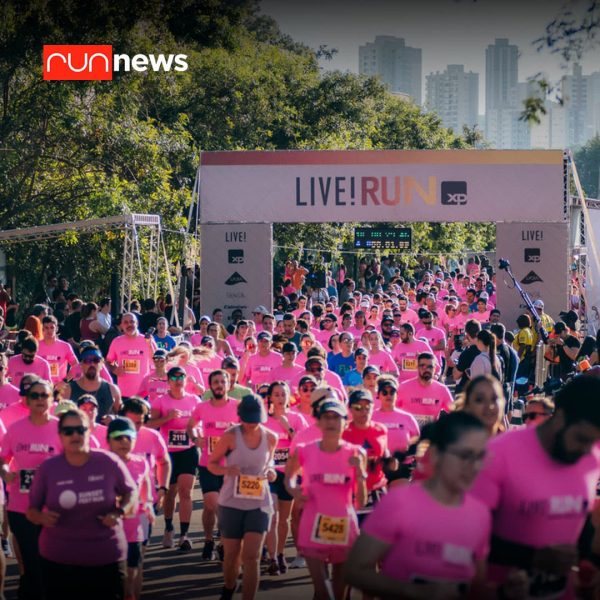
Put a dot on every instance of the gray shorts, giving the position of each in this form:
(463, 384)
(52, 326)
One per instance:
(235, 523)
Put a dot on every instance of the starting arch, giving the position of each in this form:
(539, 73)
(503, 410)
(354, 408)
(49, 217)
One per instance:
(240, 194)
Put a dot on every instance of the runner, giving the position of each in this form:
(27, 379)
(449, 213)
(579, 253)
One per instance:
(536, 527)
(19, 410)
(121, 439)
(237, 339)
(379, 356)
(171, 414)
(423, 397)
(286, 425)
(245, 506)
(437, 544)
(260, 365)
(216, 416)
(182, 356)
(156, 383)
(58, 354)
(9, 394)
(332, 469)
(89, 405)
(288, 370)
(161, 336)
(129, 356)
(483, 398)
(27, 443)
(28, 362)
(303, 406)
(406, 352)
(78, 498)
(107, 394)
(342, 363)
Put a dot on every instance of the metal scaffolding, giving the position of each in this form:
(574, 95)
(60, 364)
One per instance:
(135, 226)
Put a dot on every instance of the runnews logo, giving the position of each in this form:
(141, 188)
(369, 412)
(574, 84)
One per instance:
(96, 62)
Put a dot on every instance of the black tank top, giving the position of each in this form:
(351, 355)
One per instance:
(102, 395)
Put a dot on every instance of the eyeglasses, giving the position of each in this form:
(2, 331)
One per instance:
(357, 408)
(91, 361)
(534, 415)
(71, 430)
(467, 456)
(176, 377)
(38, 395)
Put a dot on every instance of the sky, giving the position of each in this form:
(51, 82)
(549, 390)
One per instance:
(447, 31)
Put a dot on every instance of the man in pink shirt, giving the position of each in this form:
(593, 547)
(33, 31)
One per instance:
(406, 352)
(28, 362)
(257, 314)
(436, 337)
(130, 356)
(57, 353)
(260, 365)
(539, 509)
(406, 315)
(423, 397)
(288, 370)
(317, 367)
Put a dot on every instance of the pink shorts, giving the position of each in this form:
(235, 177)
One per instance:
(334, 555)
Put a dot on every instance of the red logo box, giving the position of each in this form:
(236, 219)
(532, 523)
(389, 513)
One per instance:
(68, 62)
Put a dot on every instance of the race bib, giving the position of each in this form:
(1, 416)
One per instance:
(547, 585)
(250, 487)
(131, 366)
(54, 369)
(213, 440)
(409, 364)
(26, 480)
(281, 456)
(178, 438)
(330, 530)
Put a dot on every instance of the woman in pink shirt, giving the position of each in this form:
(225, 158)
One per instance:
(380, 357)
(437, 544)
(286, 425)
(483, 398)
(332, 470)
(238, 338)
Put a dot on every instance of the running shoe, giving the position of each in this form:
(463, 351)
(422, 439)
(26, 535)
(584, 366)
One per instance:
(298, 563)
(220, 551)
(264, 558)
(185, 544)
(273, 568)
(167, 541)
(208, 550)
(283, 566)
(227, 594)
(6, 548)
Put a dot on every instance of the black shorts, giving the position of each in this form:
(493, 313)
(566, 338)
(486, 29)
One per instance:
(185, 462)
(235, 523)
(208, 481)
(134, 554)
(277, 488)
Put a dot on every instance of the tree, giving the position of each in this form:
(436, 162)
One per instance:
(587, 161)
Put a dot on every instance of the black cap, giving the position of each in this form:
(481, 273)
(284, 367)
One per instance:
(176, 371)
(251, 409)
(358, 395)
(230, 362)
(289, 347)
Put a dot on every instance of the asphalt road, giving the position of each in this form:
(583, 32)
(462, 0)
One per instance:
(170, 575)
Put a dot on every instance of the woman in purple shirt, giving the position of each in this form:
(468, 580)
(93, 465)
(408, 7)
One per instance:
(79, 498)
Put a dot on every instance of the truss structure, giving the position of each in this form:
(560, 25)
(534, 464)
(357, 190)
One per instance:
(135, 226)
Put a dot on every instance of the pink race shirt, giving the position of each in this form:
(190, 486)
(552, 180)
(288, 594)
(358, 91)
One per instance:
(134, 355)
(434, 336)
(17, 368)
(193, 372)
(383, 359)
(215, 420)
(98, 439)
(549, 513)
(287, 374)
(139, 471)
(406, 355)
(424, 402)
(307, 436)
(444, 546)
(259, 368)
(150, 444)
(9, 394)
(282, 451)
(27, 446)
(208, 365)
(152, 387)
(401, 426)
(328, 480)
(15, 412)
(174, 431)
(59, 355)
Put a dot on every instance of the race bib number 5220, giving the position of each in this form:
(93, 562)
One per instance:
(250, 487)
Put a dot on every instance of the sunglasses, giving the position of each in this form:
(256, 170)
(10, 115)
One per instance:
(176, 377)
(38, 395)
(91, 361)
(71, 430)
(361, 408)
(389, 393)
(534, 415)
(120, 438)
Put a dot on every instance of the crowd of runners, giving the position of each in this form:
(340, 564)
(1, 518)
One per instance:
(391, 429)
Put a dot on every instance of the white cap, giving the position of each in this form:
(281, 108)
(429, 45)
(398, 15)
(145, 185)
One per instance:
(484, 296)
(539, 303)
(261, 309)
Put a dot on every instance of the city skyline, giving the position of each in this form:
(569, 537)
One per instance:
(448, 32)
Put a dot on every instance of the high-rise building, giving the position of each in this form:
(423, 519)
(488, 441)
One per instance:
(576, 99)
(398, 65)
(454, 96)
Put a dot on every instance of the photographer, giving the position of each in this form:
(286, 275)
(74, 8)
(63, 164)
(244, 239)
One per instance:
(565, 347)
(461, 371)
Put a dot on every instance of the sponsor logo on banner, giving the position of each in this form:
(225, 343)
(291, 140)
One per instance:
(96, 62)
(454, 192)
(235, 257)
(532, 277)
(235, 279)
(532, 255)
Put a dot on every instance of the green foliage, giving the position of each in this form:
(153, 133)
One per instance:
(79, 150)
(587, 161)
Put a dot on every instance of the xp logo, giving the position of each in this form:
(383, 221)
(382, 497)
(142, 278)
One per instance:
(235, 279)
(532, 255)
(96, 62)
(236, 257)
(454, 192)
(77, 62)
